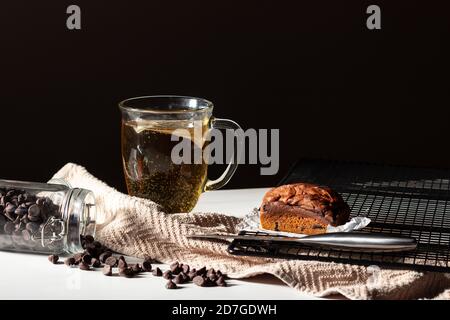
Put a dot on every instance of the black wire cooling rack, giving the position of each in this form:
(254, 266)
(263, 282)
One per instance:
(399, 200)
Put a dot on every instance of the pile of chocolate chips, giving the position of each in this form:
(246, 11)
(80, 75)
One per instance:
(96, 255)
(180, 273)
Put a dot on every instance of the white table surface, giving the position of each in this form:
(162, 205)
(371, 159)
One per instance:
(43, 280)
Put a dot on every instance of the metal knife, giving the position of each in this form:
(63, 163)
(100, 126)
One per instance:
(348, 241)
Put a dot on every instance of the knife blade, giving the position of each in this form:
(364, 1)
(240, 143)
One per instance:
(348, 241)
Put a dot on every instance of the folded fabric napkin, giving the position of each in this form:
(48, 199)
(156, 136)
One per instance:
(138, 227)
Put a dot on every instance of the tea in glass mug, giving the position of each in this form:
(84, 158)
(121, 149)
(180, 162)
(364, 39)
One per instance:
(151, 127)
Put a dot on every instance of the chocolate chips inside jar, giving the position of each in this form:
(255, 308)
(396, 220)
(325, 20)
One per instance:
(44, 218)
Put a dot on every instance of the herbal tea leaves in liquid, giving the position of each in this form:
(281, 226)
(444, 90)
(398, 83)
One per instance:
(149, 170)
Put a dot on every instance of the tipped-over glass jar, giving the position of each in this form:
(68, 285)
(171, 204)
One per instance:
(44, 217)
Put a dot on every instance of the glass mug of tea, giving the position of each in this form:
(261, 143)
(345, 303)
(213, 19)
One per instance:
(149, 125)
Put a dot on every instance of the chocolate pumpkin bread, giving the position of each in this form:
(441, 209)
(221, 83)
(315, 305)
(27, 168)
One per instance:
(302, 208)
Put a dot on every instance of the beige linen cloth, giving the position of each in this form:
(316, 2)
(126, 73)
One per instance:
(137, 227)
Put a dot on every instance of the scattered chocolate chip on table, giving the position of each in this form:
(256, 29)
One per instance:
(157, 272)
(199, 280)
(126, 272)
(107, 270)
(96, 263)
(70, 261)
(167, 275)
(146, 265)
(53, 258)
(171, 285)
(137, 268)
(84, 266)
(111, 261)
(105, 255)
(95, 255)
(122, 264)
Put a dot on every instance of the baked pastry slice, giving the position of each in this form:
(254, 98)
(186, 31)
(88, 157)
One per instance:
(302, 208)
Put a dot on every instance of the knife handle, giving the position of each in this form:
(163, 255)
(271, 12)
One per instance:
(355, 241)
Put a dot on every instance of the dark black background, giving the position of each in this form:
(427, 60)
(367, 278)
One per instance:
(310, 68)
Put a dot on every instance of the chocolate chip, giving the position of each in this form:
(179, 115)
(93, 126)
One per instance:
(137, 268)
(10, 208)
(53, 258)
(84, 266)
(175, 268)
(70, 261)
(199, 280)
(210, 283)
(178, 279)
(26, 235)
(171, 285)
(210, 272)
(33, 227)
(88, 238)
(87, 258)
(157, 272)
(201, 271)
(9, 227)
(185, 277)
(90, 250)
(97, 244)
(167, 275)
(192, 275)
(40, 201)
(185, 268)
(126, 272)
(78, 257)
(213, 277)
(105, 255)
(11, 193)
(21, 210)
(21, 198)
(221, 282)
(122, 264)
(34, 213)
(107, 270)
(95, 263)
(111, 261)
(146, 265)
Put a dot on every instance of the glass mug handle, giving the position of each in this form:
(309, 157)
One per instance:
(218, 183)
